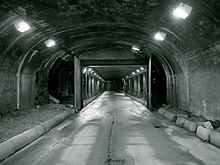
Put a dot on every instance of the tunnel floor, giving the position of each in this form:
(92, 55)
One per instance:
(115, 130)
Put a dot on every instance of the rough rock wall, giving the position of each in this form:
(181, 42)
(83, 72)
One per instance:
(42, 95)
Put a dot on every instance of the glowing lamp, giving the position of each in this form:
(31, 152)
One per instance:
(50, 43)
(160, 36)
(22, 26)
(135, 48)
(182, 11)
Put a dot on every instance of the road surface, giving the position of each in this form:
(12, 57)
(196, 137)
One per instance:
(116, 130)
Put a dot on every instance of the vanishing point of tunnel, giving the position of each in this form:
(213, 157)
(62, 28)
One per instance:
(109, 82)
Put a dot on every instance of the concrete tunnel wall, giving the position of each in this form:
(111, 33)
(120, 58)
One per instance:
(195, 63)
(197, 87)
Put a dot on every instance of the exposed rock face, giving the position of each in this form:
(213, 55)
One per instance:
(42, 96)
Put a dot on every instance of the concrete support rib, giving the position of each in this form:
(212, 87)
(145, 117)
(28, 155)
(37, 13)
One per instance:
(138, 86)
(77, 84)
(18, 75)
(149, 82)
(86, 85)
(145, 85)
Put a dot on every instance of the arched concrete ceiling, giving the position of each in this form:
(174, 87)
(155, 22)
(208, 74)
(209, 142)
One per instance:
(88, 26)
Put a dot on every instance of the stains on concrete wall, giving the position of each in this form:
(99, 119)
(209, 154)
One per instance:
(201, 78)
(7, 90)
(28, 90)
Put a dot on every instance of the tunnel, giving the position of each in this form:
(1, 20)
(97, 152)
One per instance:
(117, 82)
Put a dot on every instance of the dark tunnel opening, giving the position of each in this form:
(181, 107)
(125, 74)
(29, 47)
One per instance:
(61, 80)
(158, 84)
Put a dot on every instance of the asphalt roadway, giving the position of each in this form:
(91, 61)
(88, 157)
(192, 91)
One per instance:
(116, 130)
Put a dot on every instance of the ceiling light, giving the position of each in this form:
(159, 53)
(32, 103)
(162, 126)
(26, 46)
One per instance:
(136, 48)
(133, 73)
(49, 43)
(127, 76)
(141, 68)
(92, 71)
(89, 69)
(138, 70)
(182, 11)
(84, 71)
(22, 26)
(160, 36)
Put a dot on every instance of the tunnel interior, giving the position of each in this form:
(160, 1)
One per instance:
(102, 69)
(114, 38)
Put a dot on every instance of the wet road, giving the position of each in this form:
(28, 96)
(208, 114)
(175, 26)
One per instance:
(115, 130)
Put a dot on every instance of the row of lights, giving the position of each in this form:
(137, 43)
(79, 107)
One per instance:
(92, 72)
(138, 71)
(23, 26)
(182, 11)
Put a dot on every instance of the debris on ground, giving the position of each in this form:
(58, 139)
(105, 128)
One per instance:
(69, 106)
(37, 106)
(16, 122)
(208, 125)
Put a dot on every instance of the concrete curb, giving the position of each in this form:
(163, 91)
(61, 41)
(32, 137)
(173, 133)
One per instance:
(190, 126)
(161, 111)
(203, 133)
(170, 116)
(215, 138)
(180, 121)
(13, 144)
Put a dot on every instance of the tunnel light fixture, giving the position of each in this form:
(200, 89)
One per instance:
(138, 71)
(141, 68)
(127, 76)
(92, 71)
(22, 26)
(89, 70)
(136, 48)
(182, 11)
(50, 43)
(85, 69)
(160, 36)
(133, 73)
